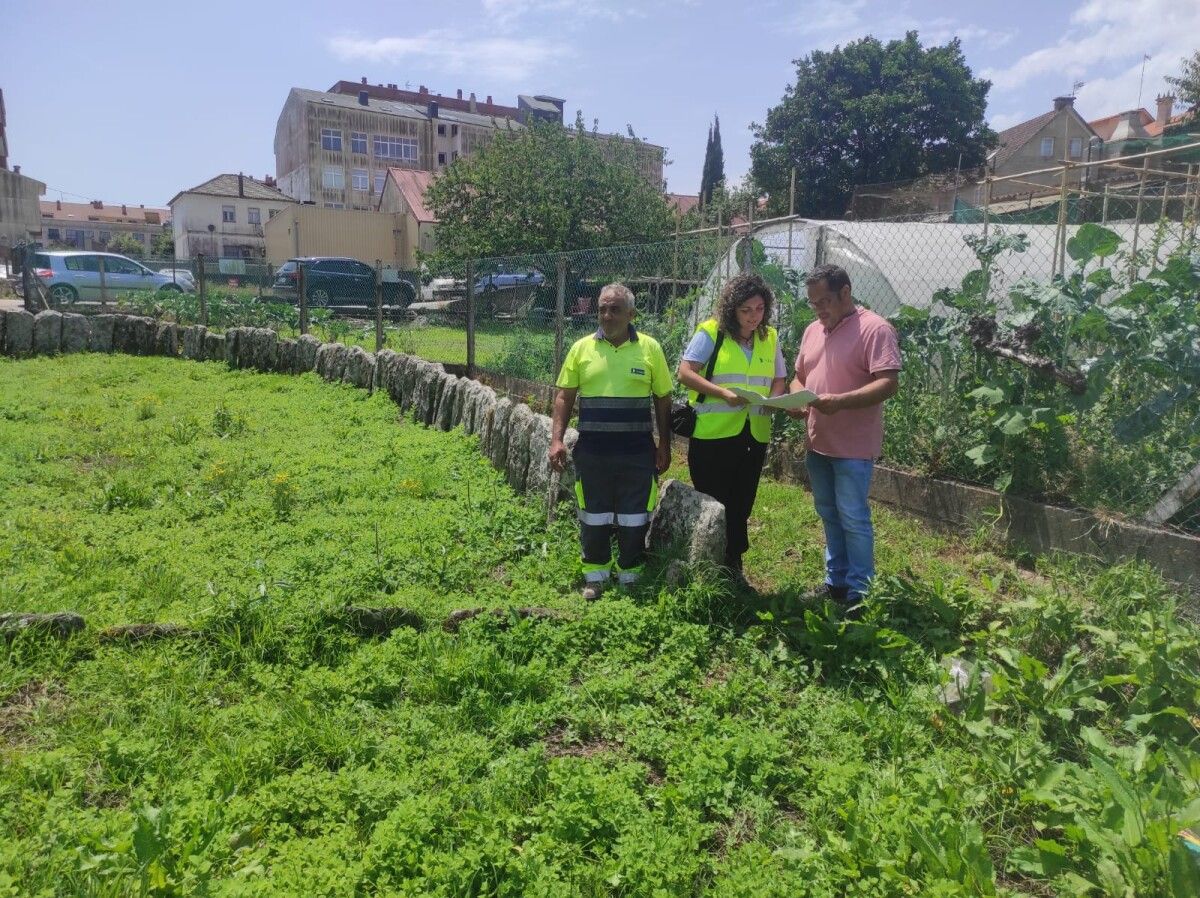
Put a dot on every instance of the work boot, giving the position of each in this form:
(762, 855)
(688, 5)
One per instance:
(592, 591)
(826, 593)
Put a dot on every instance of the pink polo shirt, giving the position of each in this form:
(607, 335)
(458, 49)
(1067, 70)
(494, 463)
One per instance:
(860, 346)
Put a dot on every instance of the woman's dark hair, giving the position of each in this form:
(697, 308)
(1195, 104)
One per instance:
(834, 276)
(739, 289)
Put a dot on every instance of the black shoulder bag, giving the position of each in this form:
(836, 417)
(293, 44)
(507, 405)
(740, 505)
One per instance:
(683, 415)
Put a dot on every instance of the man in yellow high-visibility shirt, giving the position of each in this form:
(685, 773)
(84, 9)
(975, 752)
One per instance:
(618, 375)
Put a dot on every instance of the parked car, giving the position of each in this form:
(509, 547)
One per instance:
(338, 281)
(509, 280)
(181, 276)
(70, 276)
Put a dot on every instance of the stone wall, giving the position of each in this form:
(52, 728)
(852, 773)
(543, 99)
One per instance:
(512, 436)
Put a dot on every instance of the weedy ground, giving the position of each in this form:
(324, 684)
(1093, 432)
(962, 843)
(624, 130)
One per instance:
(668, 741)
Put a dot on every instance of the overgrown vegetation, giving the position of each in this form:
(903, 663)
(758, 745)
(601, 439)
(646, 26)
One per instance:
(675, 741)
(1128, 432)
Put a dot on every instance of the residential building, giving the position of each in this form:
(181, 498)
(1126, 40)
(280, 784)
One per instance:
(224, 217)
(1043, 142)
(334, 148)
(404, 196)
(20, 220)
(94, 225)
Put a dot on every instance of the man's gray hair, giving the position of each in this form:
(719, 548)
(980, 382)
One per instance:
(620, 291)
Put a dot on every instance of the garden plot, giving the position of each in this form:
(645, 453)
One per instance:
(673, 741)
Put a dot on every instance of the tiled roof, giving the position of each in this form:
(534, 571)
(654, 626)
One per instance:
(412, 185)
(227, 185)
(683, 202)
(54, 210)
(1012, 139)
(1104, 127)
(403, 110)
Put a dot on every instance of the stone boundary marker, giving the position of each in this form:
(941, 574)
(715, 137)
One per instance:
(513, 437)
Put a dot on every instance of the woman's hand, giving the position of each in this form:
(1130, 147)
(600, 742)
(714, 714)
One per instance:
(732, 398)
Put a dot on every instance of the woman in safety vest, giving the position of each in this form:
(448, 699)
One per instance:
(727, 449)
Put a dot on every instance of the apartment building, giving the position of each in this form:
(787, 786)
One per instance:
(334, 148)
(224, 217)
(96, 224)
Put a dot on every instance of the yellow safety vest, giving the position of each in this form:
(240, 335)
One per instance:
(716, 419)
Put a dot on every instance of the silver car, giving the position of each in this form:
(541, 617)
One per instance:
(181, 276)
(72, 276)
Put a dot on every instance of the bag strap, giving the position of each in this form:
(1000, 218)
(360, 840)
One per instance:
(712, 363)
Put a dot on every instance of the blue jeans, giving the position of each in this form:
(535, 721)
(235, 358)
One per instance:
(839, 488)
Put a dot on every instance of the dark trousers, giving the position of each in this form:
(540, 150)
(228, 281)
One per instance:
(615, 492)
(729, 469)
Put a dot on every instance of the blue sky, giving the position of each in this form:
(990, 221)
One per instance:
(132, 102)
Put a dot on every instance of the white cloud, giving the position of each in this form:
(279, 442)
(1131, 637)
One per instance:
(505, 12)
(510, 59)
(838, 22)
(1103, 46)
(1002, 120)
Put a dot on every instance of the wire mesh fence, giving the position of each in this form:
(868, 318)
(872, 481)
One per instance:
(1051, 341)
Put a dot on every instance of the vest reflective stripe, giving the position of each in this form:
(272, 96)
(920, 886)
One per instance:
(596, 518)
(633, 520)
(716, 420)
(615, 414)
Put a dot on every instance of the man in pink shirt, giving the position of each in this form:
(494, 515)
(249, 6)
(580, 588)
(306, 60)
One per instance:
(850, 358)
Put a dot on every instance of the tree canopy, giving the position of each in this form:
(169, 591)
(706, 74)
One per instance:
(543, 189)
(865, 113)
(1187, 82)
(713, 174)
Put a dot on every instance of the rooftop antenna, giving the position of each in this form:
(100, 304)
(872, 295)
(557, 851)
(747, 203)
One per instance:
(1145, 59)
(1075, 87)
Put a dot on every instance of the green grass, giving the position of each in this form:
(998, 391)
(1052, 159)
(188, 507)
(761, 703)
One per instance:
(675, 741)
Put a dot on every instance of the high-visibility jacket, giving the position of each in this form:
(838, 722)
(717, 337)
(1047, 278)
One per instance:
(716, 419)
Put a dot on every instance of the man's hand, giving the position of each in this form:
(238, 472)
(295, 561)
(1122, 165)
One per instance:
(662, 457)
(797, 414)
(732, 398)
(827, 403)
(558, 455)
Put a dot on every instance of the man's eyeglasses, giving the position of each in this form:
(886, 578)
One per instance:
(821, 303)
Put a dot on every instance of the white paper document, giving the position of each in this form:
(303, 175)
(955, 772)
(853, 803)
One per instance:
(786, 401)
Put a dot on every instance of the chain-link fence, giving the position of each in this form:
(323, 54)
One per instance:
(1051, 341)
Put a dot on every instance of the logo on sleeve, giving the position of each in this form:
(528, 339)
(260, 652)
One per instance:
(641, 372)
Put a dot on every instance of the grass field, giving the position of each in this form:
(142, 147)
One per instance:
(672, 741)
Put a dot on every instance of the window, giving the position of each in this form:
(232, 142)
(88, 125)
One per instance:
(441, 130)
(81, 263)
(52, 233)
(453, 155)
(102, 237)
(335, 205)
(228, 214)
(441, 158)
(331, 139)
(454, 130)
(1076, 147)
(74, 236)
(333, 177)
(1047, 147)
(271, 213)
(404, 148)
(358, 142)
(254, 215)
(359, 179)
(113, 265)
(379, 177)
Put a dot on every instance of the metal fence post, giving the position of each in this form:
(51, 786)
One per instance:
(378, 305)
(560, 307)
(1137, 223)
(302, 296)
(201, 289)
(470, 319)
(103, 284)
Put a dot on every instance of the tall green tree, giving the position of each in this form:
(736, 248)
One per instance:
(542, 189)
(1187, 82)
(713, 173)
(865, 113)
(126, 245)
